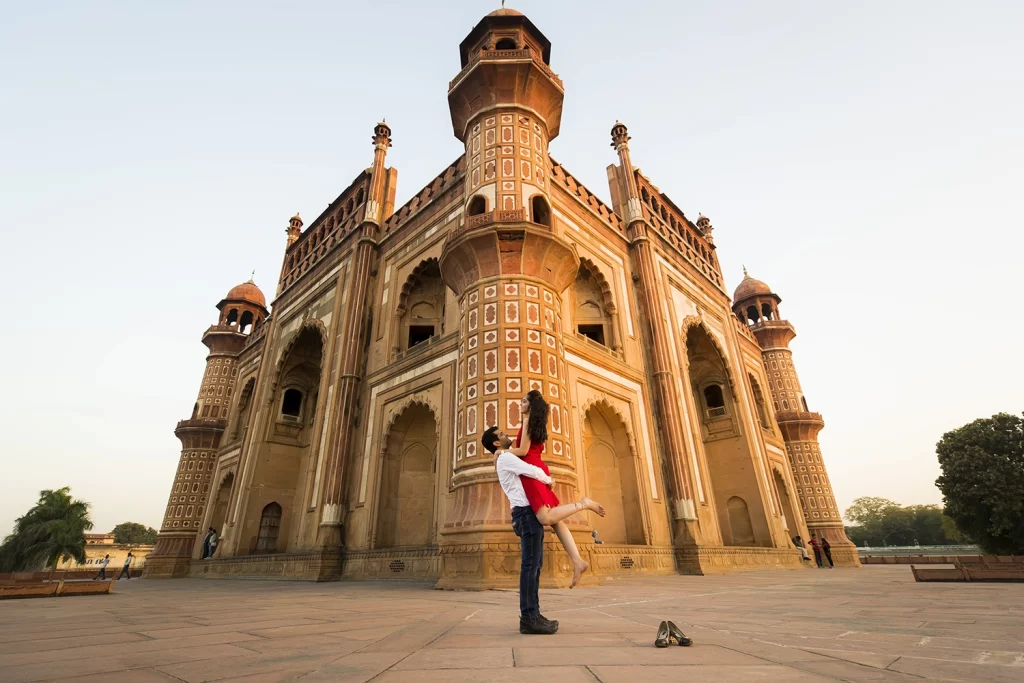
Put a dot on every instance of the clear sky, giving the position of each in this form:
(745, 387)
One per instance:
(864, 159)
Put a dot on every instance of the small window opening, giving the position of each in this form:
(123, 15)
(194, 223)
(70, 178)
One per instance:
(233, 316)
(477, 206)
(359, 196)
(292, 402)
(419, 334)
(715, 400)
(752, 316)
(505, 44)
(595, 332)
(541, 212)
(245, 324)
(766, 311)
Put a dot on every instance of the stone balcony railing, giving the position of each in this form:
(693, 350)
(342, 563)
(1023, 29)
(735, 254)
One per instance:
(200, 423)
(480, 220)
(762, 324)
(798, 416)
(505, 55)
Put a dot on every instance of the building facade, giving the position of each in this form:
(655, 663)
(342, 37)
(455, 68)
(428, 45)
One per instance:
(340, 436)
(98, 546)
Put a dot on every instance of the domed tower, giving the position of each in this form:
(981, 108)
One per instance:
(508, 268)
(757, 306)
(241, 311)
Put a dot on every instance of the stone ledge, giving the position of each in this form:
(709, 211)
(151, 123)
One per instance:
(310, 566)
(708, 560)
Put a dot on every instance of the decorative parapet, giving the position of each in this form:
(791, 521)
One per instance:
(483, 219)
(798, 416)
(508, 56)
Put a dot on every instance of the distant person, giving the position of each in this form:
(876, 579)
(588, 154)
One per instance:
(214, 540)
(103, 569)
(126, 570)
(206, 543)
(799, 543)
(817, 550)
(826, 548)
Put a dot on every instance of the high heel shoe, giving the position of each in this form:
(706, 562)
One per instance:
(678, 636)
(663, 635)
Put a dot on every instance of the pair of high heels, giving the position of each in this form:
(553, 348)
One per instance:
(669, 634)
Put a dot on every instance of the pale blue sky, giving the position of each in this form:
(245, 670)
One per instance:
(865, 159)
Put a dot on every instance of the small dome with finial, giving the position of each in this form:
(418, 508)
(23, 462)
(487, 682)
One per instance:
(248, 292)
(750, 287)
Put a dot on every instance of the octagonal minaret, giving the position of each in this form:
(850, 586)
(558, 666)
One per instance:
(757, 306)
(508, 269)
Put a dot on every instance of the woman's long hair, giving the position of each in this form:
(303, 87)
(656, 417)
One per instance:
(537, 426)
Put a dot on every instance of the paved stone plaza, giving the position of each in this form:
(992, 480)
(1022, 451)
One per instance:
(854, 625)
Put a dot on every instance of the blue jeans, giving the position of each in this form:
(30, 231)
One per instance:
(531, 540)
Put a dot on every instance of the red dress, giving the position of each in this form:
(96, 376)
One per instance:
(537, 492)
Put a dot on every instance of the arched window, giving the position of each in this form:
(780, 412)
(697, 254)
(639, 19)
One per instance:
(714, 400)
(505, 44)
(752, 316)
(359, 196)
(766, 311)
(270, 526)
(245, 324)
(232, 316)
(291, 404)
(540, 211)
(477, 206)
(589, 311)
(422, 300)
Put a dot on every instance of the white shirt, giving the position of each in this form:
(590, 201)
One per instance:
(510, 467)
(105, 561)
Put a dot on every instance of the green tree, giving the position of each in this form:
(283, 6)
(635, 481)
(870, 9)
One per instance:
(982, 481)
(51, 531)
(133, 533)
(880, 521)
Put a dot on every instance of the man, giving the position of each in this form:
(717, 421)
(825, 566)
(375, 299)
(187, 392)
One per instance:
(126, 569)
(103, 569)
(817, 550)
(799, 543)
(214, 540)
(527, 528)
(206, 543)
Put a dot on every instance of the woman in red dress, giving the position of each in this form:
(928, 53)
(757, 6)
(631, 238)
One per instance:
(545, 504)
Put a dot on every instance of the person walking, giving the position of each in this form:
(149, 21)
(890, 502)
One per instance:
(817, 550)
(826, 548)
(103, 569)
(126, 570)
(529, 530)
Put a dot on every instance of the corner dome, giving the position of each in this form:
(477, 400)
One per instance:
(505, 12)
(750, 287)
(249, 292)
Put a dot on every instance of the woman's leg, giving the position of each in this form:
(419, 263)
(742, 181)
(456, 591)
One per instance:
(550, 516)
(569, 543)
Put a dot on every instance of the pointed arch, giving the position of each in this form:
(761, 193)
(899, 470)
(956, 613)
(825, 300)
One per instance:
(421, 306)
(600, 325)
(691, 321)
(407, 477)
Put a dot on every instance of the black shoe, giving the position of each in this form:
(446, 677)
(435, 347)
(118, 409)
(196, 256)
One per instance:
(534, 626)
(548, 621)
(678, 636)
(663, 635)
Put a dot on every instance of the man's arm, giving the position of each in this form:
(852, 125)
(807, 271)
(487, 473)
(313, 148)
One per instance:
(510, 462)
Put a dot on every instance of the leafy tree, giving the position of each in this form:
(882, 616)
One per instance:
(982, 481)
(51, 531)
(880, 521)
(133, 533)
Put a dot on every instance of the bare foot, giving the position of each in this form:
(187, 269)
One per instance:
(577, 572)
(593, 506)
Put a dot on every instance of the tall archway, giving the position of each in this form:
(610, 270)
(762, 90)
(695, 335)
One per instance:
(731, 464)
(220, 504)
(594, 312)
(286, 439)
(405, 509)
(790, 514)
(611, 476)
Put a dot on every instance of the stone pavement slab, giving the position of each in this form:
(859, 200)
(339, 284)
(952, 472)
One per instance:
(869, 624)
